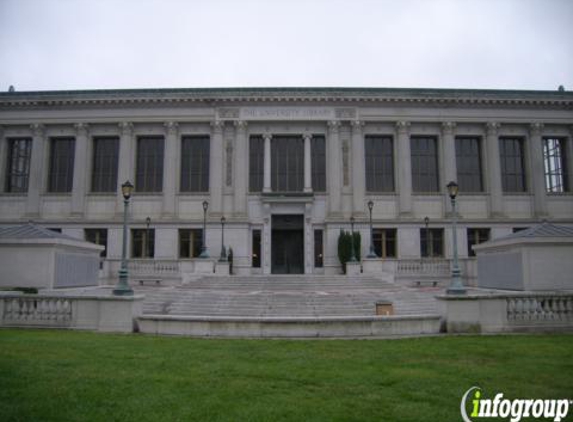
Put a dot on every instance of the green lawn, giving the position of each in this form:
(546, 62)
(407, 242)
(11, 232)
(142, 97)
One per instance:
(75, 376)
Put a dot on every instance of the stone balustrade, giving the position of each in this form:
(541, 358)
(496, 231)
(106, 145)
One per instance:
(539, 309)
(37, 310)
(436, 267)
(154, 267)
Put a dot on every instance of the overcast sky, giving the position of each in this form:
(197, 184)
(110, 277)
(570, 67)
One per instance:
(91, 44)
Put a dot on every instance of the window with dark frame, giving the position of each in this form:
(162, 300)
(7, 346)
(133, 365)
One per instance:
(384, 241)
(318, 163)
(149, 168)
(424, 154)
(99, 237)
(379, 163)
(287, 163)
(512, 160)
(256, 163)
(105, 164)
(18, 165)
(318, 248)
(190, 242)
(61, 169)
(256, 249)
(142, 243)
(555, 165)
(195, 152)
(475, 237)
(468, 163)
(432, 243)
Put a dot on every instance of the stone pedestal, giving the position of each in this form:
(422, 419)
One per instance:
(352, 269)
(372, 266)
(204, 266)
(222, 268)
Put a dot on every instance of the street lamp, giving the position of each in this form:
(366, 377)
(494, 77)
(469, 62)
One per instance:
(204, 252)
(372, 253)
(352, 254)
(122, 288)
(456, 287)
(147, 223)
(427, 223)
(223, 257)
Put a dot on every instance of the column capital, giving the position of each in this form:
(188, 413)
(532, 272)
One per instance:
(82, 129)
(171, 127)
(333, 126)
(403, 127)
(38, 129)
(218, 126)
(307, 135)
(536, 128)
(241, 125)
(448, 128)
(357, 125)
(267, 136)
(126, 128)
(492, 128)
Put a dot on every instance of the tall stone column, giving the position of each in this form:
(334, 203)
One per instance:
(3, 153)
(569, 160)
(358, 173)
(126, 167)
(334, 164)
(404, 172)
(36, 179)
(80, 174)
(307, 163)
(537, 172)
(216, 167)
(449, 153)
(494, 170)
(267, 175)
(170, 168)
(241, 170)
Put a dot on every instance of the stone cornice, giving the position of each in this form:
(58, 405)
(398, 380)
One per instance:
(219, 96)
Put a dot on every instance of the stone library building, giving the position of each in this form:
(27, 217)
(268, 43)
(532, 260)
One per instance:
(269, 177)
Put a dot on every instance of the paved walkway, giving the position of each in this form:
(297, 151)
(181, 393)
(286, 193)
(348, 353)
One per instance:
(277, 296)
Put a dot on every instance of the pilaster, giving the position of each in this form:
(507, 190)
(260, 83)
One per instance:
(171, 168)
(35, 182)
(79, 188)
(334, 165)
(3, 159)
(494, 169)
(267, 168)
(569, 159)
(404, 172)
(126, 169)
(537, 172)
(241, 172)
(307, 137)
(358, 173)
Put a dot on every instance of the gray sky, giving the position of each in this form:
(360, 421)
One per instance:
(90, 44)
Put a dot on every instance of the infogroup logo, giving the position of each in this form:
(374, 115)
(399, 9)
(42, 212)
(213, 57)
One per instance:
(516, 409)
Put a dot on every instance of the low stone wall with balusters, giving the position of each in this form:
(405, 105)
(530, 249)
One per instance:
(99, 311)
(507, 312)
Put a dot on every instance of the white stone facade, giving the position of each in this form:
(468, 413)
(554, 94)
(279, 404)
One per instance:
(343, 116)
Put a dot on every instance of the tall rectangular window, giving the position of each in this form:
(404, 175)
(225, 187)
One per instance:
(142, 243)
(555, 165)
(432, 243)
(318, 249)
(475, 237)
(256, 163)
(318, 157)
(99, 237)
(424, 152)
(287, 164)
(61, 170)
(379, 160)
(190, 242)
(149, 169)
(195, 163)
(512, 164)
(468, 163)
(18, 165)
(384, 241)
(256, 252)
(105, 162)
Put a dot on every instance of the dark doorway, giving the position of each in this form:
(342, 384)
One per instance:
(287, 248)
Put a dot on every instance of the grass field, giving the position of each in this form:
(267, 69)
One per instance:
(75, 376)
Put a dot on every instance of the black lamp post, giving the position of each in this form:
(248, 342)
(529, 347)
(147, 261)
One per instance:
(122, 288)
(372, 253)
(204, 252)
(147, 223)
(352, 253)
(223, 257)
(427, 223)
(456, 286)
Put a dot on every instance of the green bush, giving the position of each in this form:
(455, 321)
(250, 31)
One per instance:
(345, 247)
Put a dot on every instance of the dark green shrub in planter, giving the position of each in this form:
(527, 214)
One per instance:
(345, 247)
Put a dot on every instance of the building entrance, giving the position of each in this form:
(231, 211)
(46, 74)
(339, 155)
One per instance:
(287, 250)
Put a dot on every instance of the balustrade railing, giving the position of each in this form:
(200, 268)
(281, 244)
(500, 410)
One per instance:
(539, 308)
(154, 267)
(432, 267)
(37, 310)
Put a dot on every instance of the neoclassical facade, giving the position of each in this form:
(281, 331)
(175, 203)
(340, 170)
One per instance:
(287, 169)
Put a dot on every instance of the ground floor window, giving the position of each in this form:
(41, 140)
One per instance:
(256, 251)
(99, 237)
(432, 243)
(318, 249)
(475, 237)
(384, 242)
(190, 242)
(142, 243)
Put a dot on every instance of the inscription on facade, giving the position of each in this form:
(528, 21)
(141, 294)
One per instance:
(286, 113)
